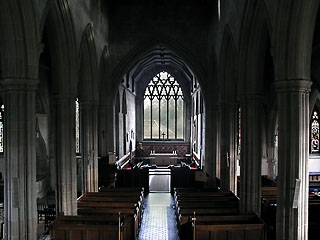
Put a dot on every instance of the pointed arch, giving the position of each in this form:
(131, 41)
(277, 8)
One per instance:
(256, 32)
(88, 67)
(293, 54)
(20, 51)
(104, 80)
(57, 20)
(182, 52)
(228, 66)
(212, 89)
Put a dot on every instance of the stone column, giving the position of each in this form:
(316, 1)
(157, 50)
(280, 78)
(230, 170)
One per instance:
(66, 190)
(251, 154)
(89, 136)
(293, 110)
(139, 119)
(103, 119)
(228, 147)
(20, 159)
(212, 130)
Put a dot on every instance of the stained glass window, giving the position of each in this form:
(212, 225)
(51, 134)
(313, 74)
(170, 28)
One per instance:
(315, 132)
(1, 129)
(163, 108)
(77, 126)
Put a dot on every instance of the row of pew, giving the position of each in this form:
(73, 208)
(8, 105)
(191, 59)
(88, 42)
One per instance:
(208, 214)
(269, 207)
(110, 214)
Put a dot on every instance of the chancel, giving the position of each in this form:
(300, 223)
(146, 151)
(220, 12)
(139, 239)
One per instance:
(159, 119)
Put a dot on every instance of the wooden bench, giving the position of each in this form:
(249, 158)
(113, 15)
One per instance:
(129, 214)
(115, 196)
(120, 207)
(228, 228)
(88, 228)
(207, 203)
(109, 203)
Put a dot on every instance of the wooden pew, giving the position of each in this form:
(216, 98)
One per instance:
(184, 214)
(88, 228)
(129, 214)
(122, 189)
(268, 212)
(228, 228)
(129, 202)
(117, 196)
(205, 203)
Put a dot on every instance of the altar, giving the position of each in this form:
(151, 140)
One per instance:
(163, 159)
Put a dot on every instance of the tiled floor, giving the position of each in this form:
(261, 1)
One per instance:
(158, 222)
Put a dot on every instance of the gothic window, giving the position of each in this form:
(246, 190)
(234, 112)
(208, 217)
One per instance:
(1, 129)
(163, 109)
(77, 126)
(315, 132)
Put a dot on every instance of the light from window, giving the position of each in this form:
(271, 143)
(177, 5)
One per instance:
(1, 128)
(239, 131)
(77, 126)
(315, 132)
(163, 108)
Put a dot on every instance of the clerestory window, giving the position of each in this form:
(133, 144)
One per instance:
(1, 129)
(314, 135)
(163, 109)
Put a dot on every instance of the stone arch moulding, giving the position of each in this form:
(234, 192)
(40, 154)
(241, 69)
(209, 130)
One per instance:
(104, 78)
(58, 20)
(228, 61)
(211, 90)
(296, 20)
(257, 29)
(88, 66)
(20, 52)
(135, 54)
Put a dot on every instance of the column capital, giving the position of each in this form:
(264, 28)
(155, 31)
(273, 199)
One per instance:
(295, 85)
(19, 84)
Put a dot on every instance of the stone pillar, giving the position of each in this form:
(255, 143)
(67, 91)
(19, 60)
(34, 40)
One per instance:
(293, 110)
(20, 159)
(66, 190)
(102, 119)
(89, 136)
(212, 143)
(228, 147)
(251, 154)
(139, 119)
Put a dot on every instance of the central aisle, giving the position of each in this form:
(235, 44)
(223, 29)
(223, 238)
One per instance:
(158, 221)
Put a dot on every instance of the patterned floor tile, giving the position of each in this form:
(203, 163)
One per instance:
(158, 222)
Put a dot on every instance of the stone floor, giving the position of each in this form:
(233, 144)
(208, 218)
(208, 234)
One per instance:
(158, 221)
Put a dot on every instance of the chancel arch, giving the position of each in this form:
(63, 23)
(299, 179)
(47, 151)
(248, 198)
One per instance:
(165, 111)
